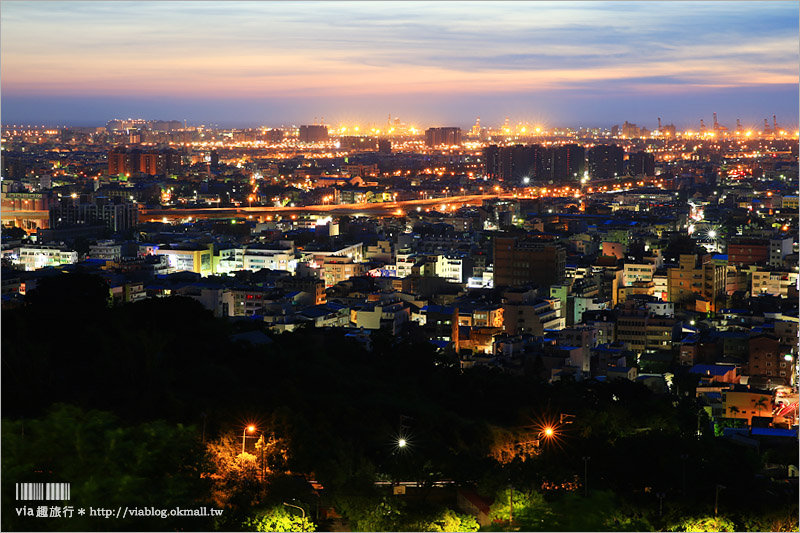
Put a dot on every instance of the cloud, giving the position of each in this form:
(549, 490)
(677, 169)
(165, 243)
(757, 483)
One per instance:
(390, 49)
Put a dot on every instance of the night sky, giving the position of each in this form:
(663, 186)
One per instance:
(437, 63)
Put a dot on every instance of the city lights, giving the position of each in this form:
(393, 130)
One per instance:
(429, 261)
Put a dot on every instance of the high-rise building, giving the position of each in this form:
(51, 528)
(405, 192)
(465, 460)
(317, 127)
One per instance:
(438, 136)
(116, 214)
(358, 143)
(385, 146)
(514, 163)
(151, 162)
(642, 164)
(521, 261)
(569, 162)
(630, 130)
(313, 134)
(606, 161)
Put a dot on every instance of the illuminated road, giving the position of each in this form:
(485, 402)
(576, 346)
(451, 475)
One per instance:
(364, 209)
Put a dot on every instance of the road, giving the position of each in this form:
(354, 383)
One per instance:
(362, 209)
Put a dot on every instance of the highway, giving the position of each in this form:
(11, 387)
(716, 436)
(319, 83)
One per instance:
(362, 209)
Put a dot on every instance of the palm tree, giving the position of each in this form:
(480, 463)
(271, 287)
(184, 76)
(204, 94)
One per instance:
(760, 404)
(733, 410)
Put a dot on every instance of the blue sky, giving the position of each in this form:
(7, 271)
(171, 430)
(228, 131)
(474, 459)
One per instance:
(272, 63)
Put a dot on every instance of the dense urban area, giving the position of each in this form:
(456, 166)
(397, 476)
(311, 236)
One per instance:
(391, 327)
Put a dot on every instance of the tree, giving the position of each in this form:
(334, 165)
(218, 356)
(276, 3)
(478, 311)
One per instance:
(530, 510)
(760, 404)
(235, 474)
(279, 519)
(74, 295)
(704, 523)
(14, 232)
(108, 464)
(441, 522)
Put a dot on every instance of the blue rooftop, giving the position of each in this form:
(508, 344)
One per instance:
(775, 432)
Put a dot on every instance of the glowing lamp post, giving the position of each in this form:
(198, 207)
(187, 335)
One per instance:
(244, 434)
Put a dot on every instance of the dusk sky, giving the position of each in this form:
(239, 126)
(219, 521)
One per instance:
(431, 63)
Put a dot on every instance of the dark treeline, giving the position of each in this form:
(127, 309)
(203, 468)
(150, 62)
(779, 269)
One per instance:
(341, 409)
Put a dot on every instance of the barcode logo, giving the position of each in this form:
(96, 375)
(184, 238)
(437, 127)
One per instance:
(42, 491)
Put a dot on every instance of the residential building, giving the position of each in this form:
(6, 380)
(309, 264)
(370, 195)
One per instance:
(446, 136)
(520, 261)
(772, 282)
(697, 277)
(745, 403)
(33, 257)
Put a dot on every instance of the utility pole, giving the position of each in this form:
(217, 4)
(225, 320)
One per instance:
(683, 472)
(716, 498)
(660, 496)
(511, 506)
(586, 475)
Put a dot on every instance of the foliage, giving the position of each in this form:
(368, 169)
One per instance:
(235, 474)
(530, 510)
(511, 445)
(107, 463)
(339, 409)
(721, 423)
(772, 520)
(704, 523)
(279, 519)
(75, 293)
(371, 513)
(568, 511)
(445, 520)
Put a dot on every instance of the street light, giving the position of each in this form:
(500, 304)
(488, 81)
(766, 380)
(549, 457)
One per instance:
(401, 443)
(296, 507)
(251, 429)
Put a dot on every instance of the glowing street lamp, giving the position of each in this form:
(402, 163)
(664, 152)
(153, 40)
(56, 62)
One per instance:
(247, 429)
(401, 443)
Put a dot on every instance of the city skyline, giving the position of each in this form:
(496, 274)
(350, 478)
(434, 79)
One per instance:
(249, 64)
